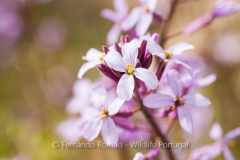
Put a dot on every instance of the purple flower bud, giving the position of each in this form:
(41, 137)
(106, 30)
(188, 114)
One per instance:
(138, 63)
(105, 49)
(224, 8)
(143, 49)
(147, 61)
(155, 37)
(157, 17)
(197, 24)
(153, 153)
(122, 40)
(117, 74)
(139, 53)
(117, 48)
(124, 123)
(125, 113)
(127, 40)
(164, 112)
(160, 69)
(107, 72)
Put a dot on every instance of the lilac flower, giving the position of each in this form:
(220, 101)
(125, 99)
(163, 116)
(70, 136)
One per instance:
(213, 150)
(162, 100)
(127, 64)
(94, 58)
(117, 17)
(169, 54)
(142, 15)
(102, 121)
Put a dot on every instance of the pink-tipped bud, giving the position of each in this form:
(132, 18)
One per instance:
(124, 123)
(127, 39)
(160, 69)
(122, 40)
(125, 113)
(164, 112)
(147, 61)
(105, 49)
(155, 37)
(107, 72)
(143, 50)
(117, 48)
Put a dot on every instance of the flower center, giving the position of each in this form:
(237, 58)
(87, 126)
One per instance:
(168, 55)
(104, 113)
(130, 69)
(145, 8)
(178, 102)
(102, 56)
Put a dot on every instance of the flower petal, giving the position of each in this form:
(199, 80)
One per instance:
(185, 119)
(201, 82)
(152, 5)
(152, 46)
(227, 153)
(109, 131)
(121, 6)
(109, 14)
(225, 8)
(86, 66)
(93, 55)
(125, 87)
(114, 107)
(114, 60)
(196, 100)
(231, 135)
(113, 34)
(216, 132)
(133, 17)
(147, 76)
(130, 53)
(187, 67)
(179, 48)
(175, 82)
(92, 128)
(144, 23)
(139, 156)
(98, 96)
(158, 100)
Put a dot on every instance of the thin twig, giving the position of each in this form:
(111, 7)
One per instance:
(153, 124)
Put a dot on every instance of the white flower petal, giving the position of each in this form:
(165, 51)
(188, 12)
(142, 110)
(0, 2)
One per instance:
(231, 135)
(187, 67)
(130, 53)
(109, 14)
(92, 128)
(152, 46)
(114, 107)
(196, 100)
(113, 34)
(228, 154)
(147, 76)
(109, 131)
(98, 96)
(125, 87)
(152, 5)
(139, 156)
(216, 132)
(86, 66)
(93, 55)
(158, 100)
(121, 6)
(133, 17)
(115, 61)
(144, 23)
(185, 119)
(179, 48)
(175, 82)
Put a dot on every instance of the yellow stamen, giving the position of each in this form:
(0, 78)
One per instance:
(173, 107)
(130, 69)
(168, 55)
(145, 8)
(180, 100)
(231, 143)
(102, 56)
(104, 113)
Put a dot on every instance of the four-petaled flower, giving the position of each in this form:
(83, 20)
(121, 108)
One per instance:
(169, 54)
(102, 120)
(178, 102)
(127, 64)
(94, 57)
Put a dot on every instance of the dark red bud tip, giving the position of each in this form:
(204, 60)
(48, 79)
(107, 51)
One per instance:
(122, 40)
(160, 69)
(107, 72)
(117, 74)
(138, 63)
(127, 39)
(117, 48)
(143, 49)
(105, 49)
(147, 61)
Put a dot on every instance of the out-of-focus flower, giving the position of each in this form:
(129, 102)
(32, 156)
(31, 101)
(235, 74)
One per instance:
(178, 102)
(128, 64)
(103, 121)
(169, 54)
(142, 15)
(51, 35)
(154, 152)
(213, 150)
(228, 56)
(222, 8)
(94, 58)
(121, 10)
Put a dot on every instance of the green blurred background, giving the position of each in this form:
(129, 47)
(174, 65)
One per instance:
(36, 81)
